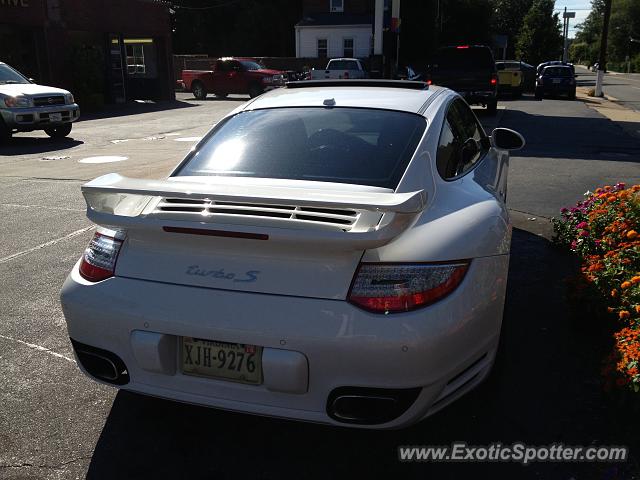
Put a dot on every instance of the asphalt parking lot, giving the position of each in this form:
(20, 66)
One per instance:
(55, 423)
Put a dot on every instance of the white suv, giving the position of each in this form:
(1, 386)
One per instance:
(25, 106)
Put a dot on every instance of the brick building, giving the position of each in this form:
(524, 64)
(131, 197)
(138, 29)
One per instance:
(103, 50)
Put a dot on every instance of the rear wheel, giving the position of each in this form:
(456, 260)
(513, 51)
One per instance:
(255, 90)
(492, 106)
(198, 90)
(59, 132)
(5, 133)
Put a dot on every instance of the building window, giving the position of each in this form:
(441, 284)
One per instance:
(336, 5)
(322, 48)
(135, 59)
(347, 48)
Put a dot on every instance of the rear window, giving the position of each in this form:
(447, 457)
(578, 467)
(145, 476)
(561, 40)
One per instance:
(557, 72)
(464, 57)
(343, 145)
(343, 65)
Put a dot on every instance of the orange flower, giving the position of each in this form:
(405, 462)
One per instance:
(637, 308)
(635, 279)
(625, 285)
(614, 293)
(624, 314)
(631, 234)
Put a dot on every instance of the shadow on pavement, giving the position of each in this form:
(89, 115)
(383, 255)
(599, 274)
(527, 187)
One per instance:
(134, 108)
(544, 389)
(586, 137)
(31, 145)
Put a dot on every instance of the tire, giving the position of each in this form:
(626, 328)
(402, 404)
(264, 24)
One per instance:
(492, 106)
(199, 91)
(5, 133)
(221, 96)
(59, 132)
(255, 90)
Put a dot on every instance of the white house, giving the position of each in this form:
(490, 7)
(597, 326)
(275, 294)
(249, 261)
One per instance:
(335, 32)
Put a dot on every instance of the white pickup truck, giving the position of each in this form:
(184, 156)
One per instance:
(26, 106)
(340, 68)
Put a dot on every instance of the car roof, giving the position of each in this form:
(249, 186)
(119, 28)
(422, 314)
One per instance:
(384, 98)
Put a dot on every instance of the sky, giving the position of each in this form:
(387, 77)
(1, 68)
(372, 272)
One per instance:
(582, 9)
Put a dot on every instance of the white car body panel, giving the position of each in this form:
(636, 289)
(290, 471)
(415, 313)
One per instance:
(296, 309)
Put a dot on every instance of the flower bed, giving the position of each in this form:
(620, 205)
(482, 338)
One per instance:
(604, 231)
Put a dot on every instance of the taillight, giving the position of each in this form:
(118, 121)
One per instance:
(494, 81)
(391, 288)
(99, 259)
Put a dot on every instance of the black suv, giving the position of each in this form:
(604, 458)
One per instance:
(470, 70)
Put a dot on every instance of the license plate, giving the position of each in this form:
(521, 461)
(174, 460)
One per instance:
(556, 80)
(229, 361)
(55, 117)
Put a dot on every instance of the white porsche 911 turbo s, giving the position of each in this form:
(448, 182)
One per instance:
(332, 251)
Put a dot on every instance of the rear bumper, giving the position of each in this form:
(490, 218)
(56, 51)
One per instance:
(311, 346)
(38, 118)
(479, 97)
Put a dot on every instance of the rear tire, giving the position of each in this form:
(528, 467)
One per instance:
(59, 132)
(5, 133)
(492, 107)
(199, 91)
(255, 90)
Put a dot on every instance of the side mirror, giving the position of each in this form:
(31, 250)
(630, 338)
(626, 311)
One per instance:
(507, 139)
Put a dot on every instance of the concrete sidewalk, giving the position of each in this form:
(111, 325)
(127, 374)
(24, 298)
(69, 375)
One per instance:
(625, 118)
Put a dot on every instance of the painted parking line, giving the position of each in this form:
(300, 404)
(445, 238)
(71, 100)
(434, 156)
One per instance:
(104, 159)
(40, 348)
(187, 139)
(47, 244)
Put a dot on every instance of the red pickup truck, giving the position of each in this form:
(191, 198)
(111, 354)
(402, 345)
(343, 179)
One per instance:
(232, 75)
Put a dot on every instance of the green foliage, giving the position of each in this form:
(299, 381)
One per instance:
(540, 37)
(507, 19)
(624, 25)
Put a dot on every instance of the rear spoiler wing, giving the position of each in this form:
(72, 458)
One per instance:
(115, 201)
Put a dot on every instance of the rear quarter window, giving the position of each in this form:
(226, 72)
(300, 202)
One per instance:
(343, 145)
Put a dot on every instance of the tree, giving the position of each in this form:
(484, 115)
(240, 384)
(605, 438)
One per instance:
(507, 18)
(540, 38)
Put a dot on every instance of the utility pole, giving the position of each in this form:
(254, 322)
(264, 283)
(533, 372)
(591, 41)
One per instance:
(602, 60)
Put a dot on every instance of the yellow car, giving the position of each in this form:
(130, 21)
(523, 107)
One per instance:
(510, 77)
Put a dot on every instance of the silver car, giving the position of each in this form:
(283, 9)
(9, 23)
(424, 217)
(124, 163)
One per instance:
(26, 106)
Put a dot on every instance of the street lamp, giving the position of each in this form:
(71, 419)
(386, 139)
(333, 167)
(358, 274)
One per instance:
(566, 16)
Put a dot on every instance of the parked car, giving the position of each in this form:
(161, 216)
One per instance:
(554, 63)
(510, 78)
(340, 68)
(305, 262)
(232, 75)
(26, 106)
(556, 80)
(470, 70)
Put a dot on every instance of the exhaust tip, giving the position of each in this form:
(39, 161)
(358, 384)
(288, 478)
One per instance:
(369, 406)
(101, 364)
